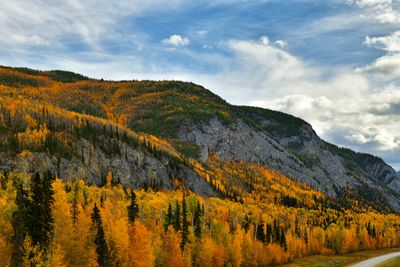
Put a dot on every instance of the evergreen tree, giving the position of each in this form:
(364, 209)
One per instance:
(133, 208)
(197, 221)
(75, 210)
(100, 241)
(19, 220)
(185, 225)
(40, 220)
(177, 217)
(168, 217)
(260, 234)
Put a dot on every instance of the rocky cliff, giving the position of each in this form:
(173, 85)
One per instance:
(195, 122)
(299, 154)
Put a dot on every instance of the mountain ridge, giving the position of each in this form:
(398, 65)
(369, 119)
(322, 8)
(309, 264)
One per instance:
(198, 123)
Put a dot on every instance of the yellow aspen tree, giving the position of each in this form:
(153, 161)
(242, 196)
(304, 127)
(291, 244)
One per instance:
(140, 252)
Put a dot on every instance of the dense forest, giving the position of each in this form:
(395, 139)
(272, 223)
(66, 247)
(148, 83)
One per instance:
(45, 221)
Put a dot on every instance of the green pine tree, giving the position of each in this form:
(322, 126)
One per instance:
(168, 218)
(185, 225)
(100, 241)
(133, 208)
(197, 221)
(177, 217)
(19, 220)
(75, 210)
(40, 220)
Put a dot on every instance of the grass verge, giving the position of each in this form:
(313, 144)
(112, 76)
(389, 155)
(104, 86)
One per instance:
(339, 260)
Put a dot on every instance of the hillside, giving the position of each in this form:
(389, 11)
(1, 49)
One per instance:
(212, 184)
(196, 122)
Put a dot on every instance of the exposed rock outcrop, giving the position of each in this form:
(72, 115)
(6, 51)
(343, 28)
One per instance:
(134, 167)
(304, 157)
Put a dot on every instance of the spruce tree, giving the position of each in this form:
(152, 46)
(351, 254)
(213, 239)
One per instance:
(185, 225)
(100, 241)
(168, 217)
(75, 210)
(260, 234)
(197, 221)
(40, 220)
(19, 220)
(177, 217)
(133, 208)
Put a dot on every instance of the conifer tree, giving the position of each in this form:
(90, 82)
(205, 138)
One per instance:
(197, 221)
(75, 210)
(133, 208)
(168, 217)
(260, 234)
(40, 221)
(19, 220)
(100, 242)
(177, 217)
(185, 225)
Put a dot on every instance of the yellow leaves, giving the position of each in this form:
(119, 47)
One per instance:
(109, 178)
(208, 253)
(33, 137)
(223, 242)
(172, 253)
(32, 254)
(140, 253)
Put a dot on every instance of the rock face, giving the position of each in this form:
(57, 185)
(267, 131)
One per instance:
(135, 167)
(304, 157)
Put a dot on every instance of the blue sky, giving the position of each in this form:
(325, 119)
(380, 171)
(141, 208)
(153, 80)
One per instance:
(333, 63)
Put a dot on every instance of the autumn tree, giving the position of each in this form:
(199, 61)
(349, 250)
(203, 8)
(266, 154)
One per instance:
(140, 249)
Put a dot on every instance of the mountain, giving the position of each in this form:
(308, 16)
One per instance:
(176, 128)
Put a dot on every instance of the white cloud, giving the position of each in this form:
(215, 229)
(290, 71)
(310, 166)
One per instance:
(28, 40)
(201, 33)
(382, 11)
(59, 22)
(386, 67)
(364, 3)
(281, 44)
(264, 40)
(176, 40)
(390, 43)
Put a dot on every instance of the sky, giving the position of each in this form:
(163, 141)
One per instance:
(333, 63)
